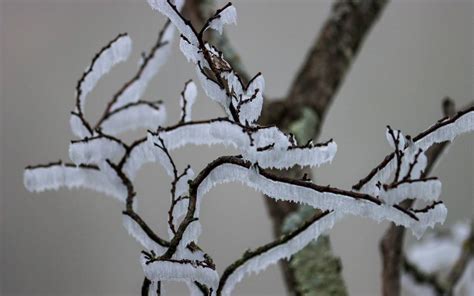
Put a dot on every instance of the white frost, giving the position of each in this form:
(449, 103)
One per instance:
(187, 99)
(137, 232)
(179, 210)
(135, 90)
(213, 90)
(448, 132)
(57, 176)
(250, 111)
(143, 153)
(191, 234)
(463, 124)
(179, 271)
(192, 53)
(428, 190)
(227, 133)
(77, 127)
(172, 12)
(319, 199)
(399, 141)
(146, 115)
(228, 15)
(182, 184)
(116, 53)
(283, 251)
(95, 150)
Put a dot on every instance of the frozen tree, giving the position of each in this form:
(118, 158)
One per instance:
(103, 161)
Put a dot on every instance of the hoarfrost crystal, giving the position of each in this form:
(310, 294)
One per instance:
(108, 164)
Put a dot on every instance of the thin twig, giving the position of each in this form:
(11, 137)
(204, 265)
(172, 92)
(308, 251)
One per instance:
(392, 241)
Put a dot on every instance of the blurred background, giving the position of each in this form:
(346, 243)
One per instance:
(73, 243)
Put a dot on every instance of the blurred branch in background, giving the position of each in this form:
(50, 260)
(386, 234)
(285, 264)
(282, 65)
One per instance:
(441, 264)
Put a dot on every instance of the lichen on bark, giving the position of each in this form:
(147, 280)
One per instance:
(316, 270)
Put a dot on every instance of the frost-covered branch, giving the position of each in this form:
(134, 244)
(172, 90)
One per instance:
(106, 163)
(114, 52)
(282, 248)
(445, 130)
(150, 64)
(392, 241)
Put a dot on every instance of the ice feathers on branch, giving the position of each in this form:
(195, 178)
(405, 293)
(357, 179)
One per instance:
(105, 163)
(444, 130)
(143, 153)
(224, 16)
(113, 53)
(213, 90)
(427, 190)
(118, 50)
(395, 138)
(141, 114)
(249, 97)
(180, 270)
(95, 150)
(182, 186)
(79, 127)
(133, 90)
(134, 229)
(57, 175)
(267, 146)
(257, 260)
(186, 100)
(191, 52)
(171, 10)
(244, 107)
(225, 170)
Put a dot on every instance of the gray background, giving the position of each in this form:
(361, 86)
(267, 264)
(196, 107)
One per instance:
(72, 242)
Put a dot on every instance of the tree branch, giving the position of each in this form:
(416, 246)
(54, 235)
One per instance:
(199, 11)
(328, 61)
(456, 272)
(422, 277)
(313, 88)
(391, 244)
(447, 286)
(310, 96)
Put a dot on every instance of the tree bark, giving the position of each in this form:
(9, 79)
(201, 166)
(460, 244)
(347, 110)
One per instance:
(315, 270)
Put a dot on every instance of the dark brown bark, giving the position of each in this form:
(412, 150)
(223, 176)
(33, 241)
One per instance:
(316, 85)
(329, 60)
(322, 73)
